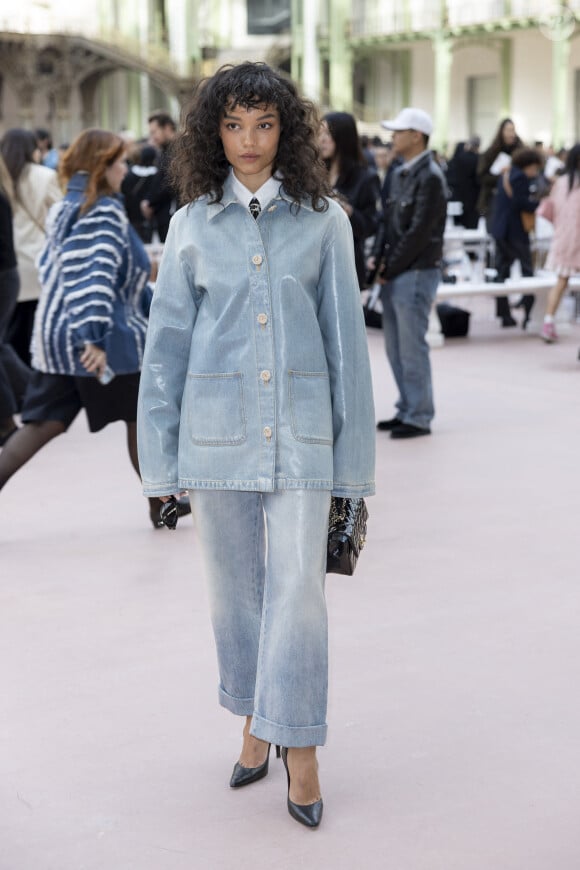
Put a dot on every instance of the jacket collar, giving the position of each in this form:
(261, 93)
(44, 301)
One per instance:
(414, 165)
(78, 183)
(229, 198)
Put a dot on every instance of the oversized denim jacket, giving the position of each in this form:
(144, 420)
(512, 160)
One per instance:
(256, 372)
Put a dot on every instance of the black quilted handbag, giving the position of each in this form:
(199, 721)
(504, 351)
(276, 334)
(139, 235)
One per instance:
(347, 528)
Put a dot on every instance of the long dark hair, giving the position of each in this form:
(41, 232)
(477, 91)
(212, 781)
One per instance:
(198, 164)
(18, 147)
(498, 143)
(342, 128)
(572, 167)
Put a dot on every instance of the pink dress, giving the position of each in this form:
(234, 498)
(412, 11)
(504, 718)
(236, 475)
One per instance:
(562, 208)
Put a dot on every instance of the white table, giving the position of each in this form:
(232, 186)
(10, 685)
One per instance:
(539, 285)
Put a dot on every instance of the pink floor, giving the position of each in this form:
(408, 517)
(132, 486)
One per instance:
(455, 652)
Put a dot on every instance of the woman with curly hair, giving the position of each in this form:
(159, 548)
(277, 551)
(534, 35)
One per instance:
(256, 397)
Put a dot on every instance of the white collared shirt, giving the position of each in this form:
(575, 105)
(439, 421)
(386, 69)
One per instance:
(265, 194)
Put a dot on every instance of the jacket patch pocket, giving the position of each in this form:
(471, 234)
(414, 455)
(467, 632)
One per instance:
(310, 407)
(216, 412)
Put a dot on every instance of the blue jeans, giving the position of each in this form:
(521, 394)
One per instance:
(407, 301)
(265, 560)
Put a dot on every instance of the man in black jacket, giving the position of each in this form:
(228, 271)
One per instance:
(161, 202)
(411, 268)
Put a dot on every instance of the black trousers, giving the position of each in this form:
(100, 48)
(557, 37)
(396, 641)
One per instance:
(19, 330)
(507, 251)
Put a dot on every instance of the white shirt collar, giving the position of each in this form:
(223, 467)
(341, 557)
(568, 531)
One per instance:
(265, 194)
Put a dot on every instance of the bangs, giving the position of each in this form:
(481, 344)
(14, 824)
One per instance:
(251, 88)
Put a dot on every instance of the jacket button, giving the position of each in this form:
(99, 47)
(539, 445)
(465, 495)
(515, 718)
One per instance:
(262, 319)
(267, 433)
(257, 260)
(266, 376)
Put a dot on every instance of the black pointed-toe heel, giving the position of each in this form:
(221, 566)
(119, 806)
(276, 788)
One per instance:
(307, 814)
(247, 775)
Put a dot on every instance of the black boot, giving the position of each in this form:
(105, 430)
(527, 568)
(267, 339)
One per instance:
(502, 309)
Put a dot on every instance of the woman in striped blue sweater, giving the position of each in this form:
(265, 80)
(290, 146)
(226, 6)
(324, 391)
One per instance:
(90, 324)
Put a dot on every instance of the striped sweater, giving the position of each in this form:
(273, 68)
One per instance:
(94, 275)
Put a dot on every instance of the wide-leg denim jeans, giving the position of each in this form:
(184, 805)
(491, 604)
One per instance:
(265, 560)
(407, 301)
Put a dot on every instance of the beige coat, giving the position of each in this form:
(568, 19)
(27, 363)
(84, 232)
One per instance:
(38, 189)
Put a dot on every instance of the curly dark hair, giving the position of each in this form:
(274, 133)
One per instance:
(198, 162)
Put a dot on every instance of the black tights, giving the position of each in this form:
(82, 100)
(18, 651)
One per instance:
(32, 437)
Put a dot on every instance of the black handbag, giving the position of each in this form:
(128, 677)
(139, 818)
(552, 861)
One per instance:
(347, 529)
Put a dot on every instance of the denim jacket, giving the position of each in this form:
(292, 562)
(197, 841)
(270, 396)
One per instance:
(256, 372)
(94, 275)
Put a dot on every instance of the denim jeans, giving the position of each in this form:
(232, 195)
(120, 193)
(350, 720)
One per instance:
(265, 560)
(407, 301)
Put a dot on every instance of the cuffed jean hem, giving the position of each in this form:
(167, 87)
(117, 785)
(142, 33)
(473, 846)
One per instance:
(287, 735)
(239, 706)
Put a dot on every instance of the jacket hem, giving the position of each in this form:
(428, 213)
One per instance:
(260, 485)
(341, 490)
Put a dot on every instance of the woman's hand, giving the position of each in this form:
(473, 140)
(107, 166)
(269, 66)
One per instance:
(94, 359)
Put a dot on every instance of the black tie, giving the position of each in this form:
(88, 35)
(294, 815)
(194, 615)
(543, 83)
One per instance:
(255, 207)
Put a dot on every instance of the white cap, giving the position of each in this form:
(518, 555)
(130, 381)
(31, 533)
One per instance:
(411, 119)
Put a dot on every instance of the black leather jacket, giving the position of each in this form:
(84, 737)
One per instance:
(414, 222)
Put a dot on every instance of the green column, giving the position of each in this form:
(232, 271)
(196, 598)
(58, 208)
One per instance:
(310, 55)
(560, 84)
(134, 107)
(341, 64)
(506, 77)
(297, 47)
(442, 47)
(405, 65)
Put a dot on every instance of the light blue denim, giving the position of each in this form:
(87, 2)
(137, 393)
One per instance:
(256, 373)
(407, 302)
(265, 561)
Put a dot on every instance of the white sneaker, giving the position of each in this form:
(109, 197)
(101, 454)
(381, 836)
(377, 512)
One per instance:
(548, 332)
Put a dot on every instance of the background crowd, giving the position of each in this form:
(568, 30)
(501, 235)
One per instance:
(497, 187)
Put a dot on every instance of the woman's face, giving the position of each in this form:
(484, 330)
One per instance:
(326, 143)
(509, 133)
(115, 173)
(250, 138)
